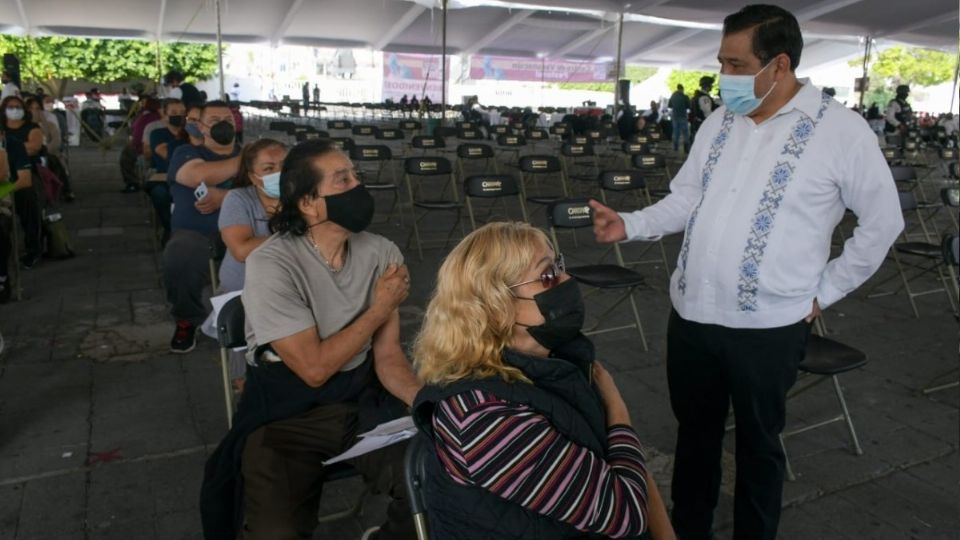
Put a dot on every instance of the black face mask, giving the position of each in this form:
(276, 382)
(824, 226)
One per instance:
(563, 313)
(177, 120)
(352, 209)
(223, 132)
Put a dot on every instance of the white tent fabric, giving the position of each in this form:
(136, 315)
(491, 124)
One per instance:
(657, 32)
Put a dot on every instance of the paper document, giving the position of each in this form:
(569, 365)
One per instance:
(209, 326)
(379, 437)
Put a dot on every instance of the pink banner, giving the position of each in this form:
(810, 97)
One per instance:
(505, 68)
(412, 75)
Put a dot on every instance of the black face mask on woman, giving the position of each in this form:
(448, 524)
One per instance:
(352, 209)
(223, 132)
(563, 313)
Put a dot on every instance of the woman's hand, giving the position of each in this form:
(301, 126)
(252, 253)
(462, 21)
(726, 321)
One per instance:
(616, 409)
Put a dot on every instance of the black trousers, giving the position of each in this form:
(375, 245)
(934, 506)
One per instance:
(709, 367)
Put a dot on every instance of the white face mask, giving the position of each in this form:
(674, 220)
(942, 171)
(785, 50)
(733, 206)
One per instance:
(14, 114)
(175, 93)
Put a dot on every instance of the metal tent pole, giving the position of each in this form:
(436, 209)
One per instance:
(616, 79)
(866, 62)
(956, 75)
(443, 66)
(223, 94)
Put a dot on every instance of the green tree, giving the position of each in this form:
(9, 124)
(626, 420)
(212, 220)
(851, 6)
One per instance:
(689, 79)
(905, 65)
(636, 75)
(53, 61)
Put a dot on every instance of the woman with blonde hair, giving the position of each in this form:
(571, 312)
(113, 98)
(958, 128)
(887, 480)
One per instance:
(530, 437)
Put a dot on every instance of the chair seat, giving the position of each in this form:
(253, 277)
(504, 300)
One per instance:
(828, 357)
(339, 471)
(385, 186)
(606, 276)
(544, 199)
(922, 249)
(437, 205)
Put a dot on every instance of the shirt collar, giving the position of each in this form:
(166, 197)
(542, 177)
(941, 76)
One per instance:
(806, 101)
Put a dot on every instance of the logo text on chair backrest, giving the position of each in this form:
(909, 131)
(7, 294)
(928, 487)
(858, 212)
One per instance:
(313, 135)
(365, 130)
(428, 142)
(634, 148)
(539, 164)
(426, 166)
(475, 151)
(642, 139)
(578, 212)
(655, 135)
(371, 152)
(576, 149)
(491, 185)
(388, 133)
(580, 139)
(510, 140)
(648, 161)
(622, 179)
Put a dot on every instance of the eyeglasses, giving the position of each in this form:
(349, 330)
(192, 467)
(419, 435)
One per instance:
(550, 277)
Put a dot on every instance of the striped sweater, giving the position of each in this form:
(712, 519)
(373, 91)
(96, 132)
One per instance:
(514, 452)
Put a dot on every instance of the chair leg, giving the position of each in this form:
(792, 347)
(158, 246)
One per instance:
(786, 461)
(227, 389)
(906, 283)
(846, 416)
(636, 317)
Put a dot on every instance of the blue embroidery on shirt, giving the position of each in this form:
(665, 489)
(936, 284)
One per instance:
(766, 214)
(706, 176)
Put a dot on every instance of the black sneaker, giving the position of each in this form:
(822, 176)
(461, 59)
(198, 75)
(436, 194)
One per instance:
(130, 188)
(184, 338)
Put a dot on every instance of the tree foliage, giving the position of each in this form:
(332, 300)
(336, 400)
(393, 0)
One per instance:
(905, 65)
(689, 79)
(52, 61)
(636, 75)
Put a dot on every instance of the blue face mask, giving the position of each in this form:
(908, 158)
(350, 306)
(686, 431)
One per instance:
(271, 185)
(737, 92)
(193, 130)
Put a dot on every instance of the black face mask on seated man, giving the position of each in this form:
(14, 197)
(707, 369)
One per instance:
(223, 132)
(352, 209)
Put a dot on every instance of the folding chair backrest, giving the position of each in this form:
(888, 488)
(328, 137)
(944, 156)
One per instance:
(648, 162)
(655, 135)
(559, 129)
(466, 125)
(490, 186)
(363, 130)
(910, 145)
(311, 135)
(343, 143)
(537, 134)
(908, 200)
(230, 324)
(951, 249)
(580, 139)
(891, 154)
(640, 138)
(634, 148)
(570, 214)
(541, 164)
(903, 173)
(511, 141)
(470, 134)
(474, 151)
(280, 125)
(389, 134)
(576, 150)
(370, 152)
(596, 136)
(427, 166)
(950, 196)
(339, 124)
(426, 142)
(501, 129)
(410, 125)
(622, 180)
(948, 153)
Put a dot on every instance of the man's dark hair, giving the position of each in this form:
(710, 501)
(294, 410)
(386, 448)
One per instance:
(775, 31)
(706, 80)
(299, 178)
(679, 88)
(213, 104)
(173, 76)
(168, 102)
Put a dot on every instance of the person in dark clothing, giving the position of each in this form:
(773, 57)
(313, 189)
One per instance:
(515, 408)
(899, 113)
(29, 200)
(16, 167)
(182, 90)
(702, 105)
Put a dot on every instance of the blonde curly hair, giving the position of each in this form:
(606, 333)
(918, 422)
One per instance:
(471, 315)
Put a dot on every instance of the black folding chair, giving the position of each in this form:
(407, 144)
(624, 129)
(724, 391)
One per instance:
(632, 182)
(575, 214)
(436, 170)
(475, 153)
(427, 143)
(510, 144)
(339, 125)
(542, 167)
(414, 470)
(580, 163)
(654, 168)
(231, 334)
(381, 156)
(345, 144)
(492, 187)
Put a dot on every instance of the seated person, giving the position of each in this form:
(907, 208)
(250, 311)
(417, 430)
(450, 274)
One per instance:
(163, 142)
(323, 335)
(29, 203)
(526, 429)
(193, 222)
(134, 148)
(15, 169)
(50, 153)
(193, 125)
(244, 220)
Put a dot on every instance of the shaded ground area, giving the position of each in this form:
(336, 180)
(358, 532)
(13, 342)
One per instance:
(104, 433)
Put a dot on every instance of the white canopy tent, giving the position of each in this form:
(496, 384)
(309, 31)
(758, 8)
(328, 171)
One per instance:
(656, 32)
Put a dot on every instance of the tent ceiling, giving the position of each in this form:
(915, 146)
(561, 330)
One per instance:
(680, 32)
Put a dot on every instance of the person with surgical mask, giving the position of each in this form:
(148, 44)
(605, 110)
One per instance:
(18, 128)
(515, 410)
(199, 178)
(770, 175)
(163, 142)
(324, 356)
(244, 220)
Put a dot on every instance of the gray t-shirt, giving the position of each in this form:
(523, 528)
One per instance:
(292, 289)
(240, 207)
